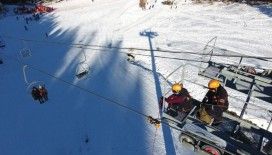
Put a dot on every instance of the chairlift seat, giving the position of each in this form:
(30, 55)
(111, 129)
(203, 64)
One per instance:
(210, 72)
(82, 70)
(82, 74)
(34, 84)
(25, 53)
(264, 79)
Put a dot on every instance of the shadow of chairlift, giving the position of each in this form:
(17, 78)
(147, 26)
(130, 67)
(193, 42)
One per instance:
(24, 53)
(82, 70)
(130, 57)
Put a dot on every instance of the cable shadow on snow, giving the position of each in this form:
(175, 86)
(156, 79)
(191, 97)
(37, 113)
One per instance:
(111, 78)
(61, 125)
(98, 115)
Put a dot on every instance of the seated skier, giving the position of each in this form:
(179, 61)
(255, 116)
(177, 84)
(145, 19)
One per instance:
(36, 95)
(214, 104)
(43, 93)
(179, 102)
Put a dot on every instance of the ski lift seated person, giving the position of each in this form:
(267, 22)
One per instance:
(39, 93)
(178, 102)
(213, 104)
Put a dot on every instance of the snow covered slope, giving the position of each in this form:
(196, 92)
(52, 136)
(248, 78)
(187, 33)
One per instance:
(79, 117)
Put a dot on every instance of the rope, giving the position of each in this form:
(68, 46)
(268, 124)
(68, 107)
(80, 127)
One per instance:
(152, 120)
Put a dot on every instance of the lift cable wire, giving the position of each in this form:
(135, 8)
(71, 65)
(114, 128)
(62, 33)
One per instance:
(154, 121)
(147, 55)
(88, 91)
(151, 120)
(138, 49)
(197, 58)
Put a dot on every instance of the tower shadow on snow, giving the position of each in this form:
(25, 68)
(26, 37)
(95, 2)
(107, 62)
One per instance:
(169, 145)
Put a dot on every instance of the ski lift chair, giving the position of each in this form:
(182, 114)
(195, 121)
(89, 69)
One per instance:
(212, 70)
(34, 84)
(82, 70)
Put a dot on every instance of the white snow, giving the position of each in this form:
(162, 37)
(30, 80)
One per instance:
(79, 117)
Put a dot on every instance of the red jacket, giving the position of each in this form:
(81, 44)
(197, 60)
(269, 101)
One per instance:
(175, 99)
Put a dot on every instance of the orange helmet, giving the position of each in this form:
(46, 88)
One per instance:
(176, 88)
(213, 84)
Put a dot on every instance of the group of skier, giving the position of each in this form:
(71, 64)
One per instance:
(39, 93)
(211, 109)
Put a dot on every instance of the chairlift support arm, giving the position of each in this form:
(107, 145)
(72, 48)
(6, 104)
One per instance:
(269, 124)
(24, 72)
(248, 98)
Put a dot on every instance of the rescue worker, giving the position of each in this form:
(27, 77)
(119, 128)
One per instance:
(214, 103)
(43, 93)
(179, 101)
(36, 95)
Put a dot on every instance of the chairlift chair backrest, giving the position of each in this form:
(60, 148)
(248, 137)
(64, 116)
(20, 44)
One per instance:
(82, 70)
(34, 84)
(25, 53)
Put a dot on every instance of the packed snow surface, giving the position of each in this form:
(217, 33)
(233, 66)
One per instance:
(103, 112)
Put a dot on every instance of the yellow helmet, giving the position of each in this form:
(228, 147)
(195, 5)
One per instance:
(213, 84)
(176, 88)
